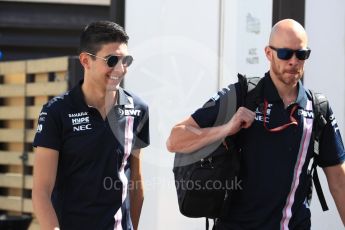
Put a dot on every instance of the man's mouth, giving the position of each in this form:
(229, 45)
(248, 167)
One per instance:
(114, 78)
(292, 72)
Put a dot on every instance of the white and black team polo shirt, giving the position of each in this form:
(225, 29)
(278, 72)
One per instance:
(91, 189)
(274, 164)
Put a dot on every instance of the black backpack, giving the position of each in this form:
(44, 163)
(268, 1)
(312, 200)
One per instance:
(205, 179)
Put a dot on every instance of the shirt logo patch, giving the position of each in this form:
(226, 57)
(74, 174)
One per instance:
(42, 117)
(334, 122)
(81, 114)
(309, 114)
(39, 128)
(259, 116)
(129, 112)
(80, 121)
(81, 127)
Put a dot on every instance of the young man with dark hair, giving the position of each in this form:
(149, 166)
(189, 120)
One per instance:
(87, 170)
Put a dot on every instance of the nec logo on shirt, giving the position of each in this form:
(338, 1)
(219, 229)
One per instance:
(81, 127)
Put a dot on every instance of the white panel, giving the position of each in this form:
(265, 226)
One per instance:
(247, 29)
(325, 72)
(175, 47)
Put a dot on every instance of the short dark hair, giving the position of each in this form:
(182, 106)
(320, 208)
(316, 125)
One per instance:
(99, 33)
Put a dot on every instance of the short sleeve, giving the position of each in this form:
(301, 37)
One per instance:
(218, 109)
(48, 133)
(331, 144)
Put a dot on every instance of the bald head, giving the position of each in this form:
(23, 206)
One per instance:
(288, 33)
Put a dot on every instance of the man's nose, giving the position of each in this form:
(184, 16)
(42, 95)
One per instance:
(119, 67)
(294, 60)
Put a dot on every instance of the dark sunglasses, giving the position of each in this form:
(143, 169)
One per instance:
(112, 60)
(286, 54)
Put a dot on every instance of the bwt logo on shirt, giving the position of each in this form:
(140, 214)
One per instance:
(306, 113)
(129, 112)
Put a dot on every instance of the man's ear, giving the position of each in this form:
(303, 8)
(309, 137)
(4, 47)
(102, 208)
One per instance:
(269, 53)
(84, 60)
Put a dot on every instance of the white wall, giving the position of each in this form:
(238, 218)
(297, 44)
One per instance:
(325, 72)
(247, 25)
(175, 45)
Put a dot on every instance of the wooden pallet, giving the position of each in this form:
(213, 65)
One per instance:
(24, 87)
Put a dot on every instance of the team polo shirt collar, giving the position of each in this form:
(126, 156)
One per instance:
(122, 98)
(271, 92)
(79, 100)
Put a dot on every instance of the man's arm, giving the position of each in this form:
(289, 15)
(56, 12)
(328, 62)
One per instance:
(136, 192)
(45, 168)
(336, 182)
(187, 136)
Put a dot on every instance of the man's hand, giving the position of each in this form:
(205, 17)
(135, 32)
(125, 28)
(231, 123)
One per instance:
(243, 118)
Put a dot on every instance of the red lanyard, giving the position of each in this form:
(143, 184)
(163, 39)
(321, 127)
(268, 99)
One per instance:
(293, 121)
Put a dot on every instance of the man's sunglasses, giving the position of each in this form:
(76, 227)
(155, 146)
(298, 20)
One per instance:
(112, 60)
(286, 54)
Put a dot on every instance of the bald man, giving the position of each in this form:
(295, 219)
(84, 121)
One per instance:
(276, 150)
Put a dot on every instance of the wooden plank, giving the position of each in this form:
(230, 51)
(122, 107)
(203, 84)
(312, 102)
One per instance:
(17, 112)
(13, 158)
(11, 112)
(12, 90)
(49, 88)
(12, 67)
(14, 180)
(30, 135)
(10, 203)
(33, 112)
(15, 79)
(11, 135)
(16, 135)
(10, 158)
(13, 203)
(47, 65)
(28, 205)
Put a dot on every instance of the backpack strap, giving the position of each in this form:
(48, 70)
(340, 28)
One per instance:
(251, 91)
(320, 105)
